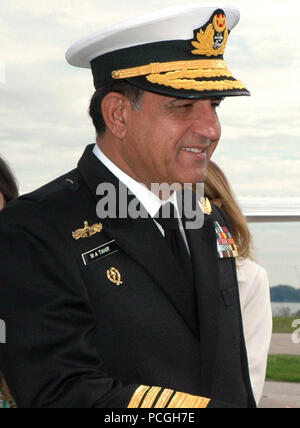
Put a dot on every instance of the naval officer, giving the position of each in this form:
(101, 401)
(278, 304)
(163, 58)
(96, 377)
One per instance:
(122, 312)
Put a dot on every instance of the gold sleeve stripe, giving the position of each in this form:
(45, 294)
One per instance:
(164, 399)
(187, 401)
(150, 398)
(145, 397)
(177, 401)
(138, 396)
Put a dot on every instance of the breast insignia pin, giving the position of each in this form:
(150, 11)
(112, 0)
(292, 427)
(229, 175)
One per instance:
(87, 231)
(114, 276)
(205, 206)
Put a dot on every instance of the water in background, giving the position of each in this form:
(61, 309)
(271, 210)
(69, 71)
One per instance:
(277, 249)
(285, 309)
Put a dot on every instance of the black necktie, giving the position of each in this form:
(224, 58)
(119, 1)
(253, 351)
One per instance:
(168, 219)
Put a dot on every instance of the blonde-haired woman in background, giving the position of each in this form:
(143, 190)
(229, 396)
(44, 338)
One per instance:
(253, 280)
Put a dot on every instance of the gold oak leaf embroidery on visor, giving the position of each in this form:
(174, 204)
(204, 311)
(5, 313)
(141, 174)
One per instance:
(172, 80)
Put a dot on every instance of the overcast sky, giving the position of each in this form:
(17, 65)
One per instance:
(43, 101)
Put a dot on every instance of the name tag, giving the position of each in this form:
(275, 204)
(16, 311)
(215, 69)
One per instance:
(99, 253)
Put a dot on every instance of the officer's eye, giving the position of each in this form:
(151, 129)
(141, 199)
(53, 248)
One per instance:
(186, 105)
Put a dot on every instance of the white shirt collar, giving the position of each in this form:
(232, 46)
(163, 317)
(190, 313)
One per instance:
(148, 199)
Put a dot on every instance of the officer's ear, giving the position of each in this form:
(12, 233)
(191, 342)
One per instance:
(2, 201)
(115, 110)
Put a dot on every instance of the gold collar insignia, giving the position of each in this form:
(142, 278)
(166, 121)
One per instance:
(205, 205)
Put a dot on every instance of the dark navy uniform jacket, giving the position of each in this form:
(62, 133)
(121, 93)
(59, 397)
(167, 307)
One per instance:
(77, 338)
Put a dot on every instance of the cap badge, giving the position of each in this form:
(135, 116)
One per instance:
(87, 231)
(114, 276)
(212, 40)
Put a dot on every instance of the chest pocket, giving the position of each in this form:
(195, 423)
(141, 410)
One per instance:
(95, 254)
(110, 275)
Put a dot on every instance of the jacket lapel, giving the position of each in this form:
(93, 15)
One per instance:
(202, 243)
(142, 241)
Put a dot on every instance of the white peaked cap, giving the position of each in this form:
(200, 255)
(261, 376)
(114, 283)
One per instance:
(167, 37)
(173, 23)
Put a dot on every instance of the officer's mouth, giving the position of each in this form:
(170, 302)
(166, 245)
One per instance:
(196, 152)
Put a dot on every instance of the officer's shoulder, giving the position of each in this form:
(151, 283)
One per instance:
(58, 194)
(64, 186)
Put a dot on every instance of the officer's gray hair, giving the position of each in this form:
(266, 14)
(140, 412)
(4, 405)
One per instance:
(134, 94)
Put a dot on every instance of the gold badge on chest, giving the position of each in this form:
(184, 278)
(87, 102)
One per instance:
(87, 231)
(114, 276)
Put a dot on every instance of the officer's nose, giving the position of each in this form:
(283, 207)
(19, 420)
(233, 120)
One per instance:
(206, 122)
